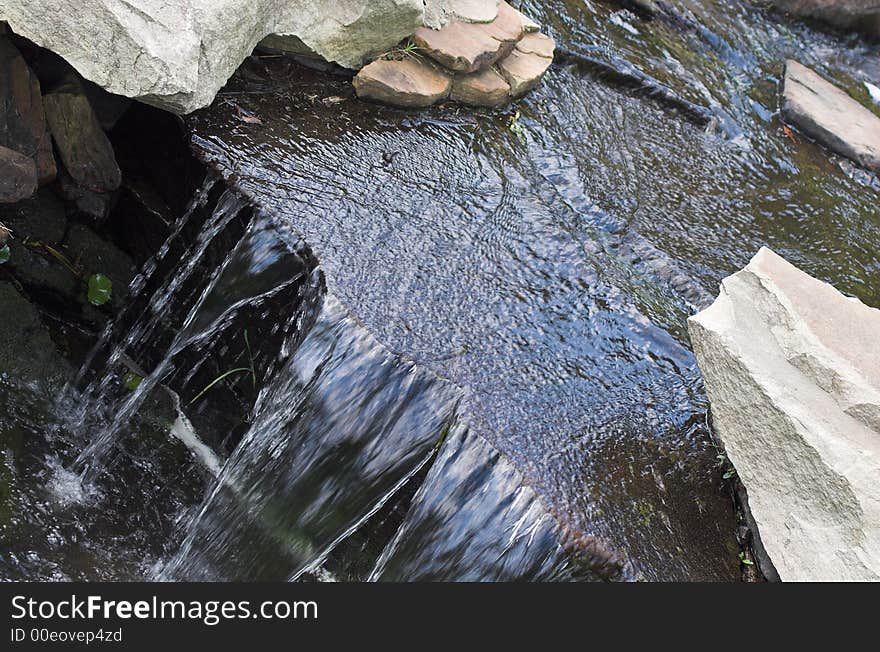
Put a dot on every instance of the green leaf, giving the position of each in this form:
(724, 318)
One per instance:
(4, 254)
(100, 289)
(729, 474)
(132, 381)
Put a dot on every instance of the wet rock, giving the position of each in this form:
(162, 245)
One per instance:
(792, 371)
(41, 274)
(41, 217)
(528, 62)
(18, 176)
(483, 88)
(22, 120)
(828, 114)
(27, 352)
(408, 83)
(96, 205)
(177, 55)
(468, 47)
(83, 146)
(857, 15)
(99, 256)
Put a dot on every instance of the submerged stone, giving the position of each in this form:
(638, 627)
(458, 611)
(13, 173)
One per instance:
(407, 83)
(792, 371)
(483, 88)
(828, 114)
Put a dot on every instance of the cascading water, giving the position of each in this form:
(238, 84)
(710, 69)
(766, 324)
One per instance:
(338, 430)
(89, 462)
(427, 345)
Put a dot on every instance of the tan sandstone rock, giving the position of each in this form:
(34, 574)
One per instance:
(792, 370)
(408, 83)
(829, 115)
(483, 88)
(528, 62)
(468, 47)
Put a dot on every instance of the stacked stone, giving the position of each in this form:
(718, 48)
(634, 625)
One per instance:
(479, 64)
(31, 119)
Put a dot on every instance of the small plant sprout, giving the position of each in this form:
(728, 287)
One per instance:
(745, 560)
(232, 372)
(514, 125)
(406, 51)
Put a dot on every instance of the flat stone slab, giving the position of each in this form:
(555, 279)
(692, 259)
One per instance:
(792, 370)
(468, 47)
(483, 88)
(408, 83)
(524, 67)
(830, 116)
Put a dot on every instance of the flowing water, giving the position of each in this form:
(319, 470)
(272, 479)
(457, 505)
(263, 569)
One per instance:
(459, 347)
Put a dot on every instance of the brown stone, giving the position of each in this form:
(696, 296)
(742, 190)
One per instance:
(23, 125)
(83, 146)
(482, 88)
(468, 47)
(523, 68)
(408, 82)
(18, 176)
(537, 43)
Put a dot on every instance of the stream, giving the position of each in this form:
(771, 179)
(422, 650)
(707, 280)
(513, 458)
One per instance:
(451, 344)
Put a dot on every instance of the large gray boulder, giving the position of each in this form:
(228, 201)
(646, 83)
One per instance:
(857, 15)
(792, 370)
(177, 55)
(827, 114)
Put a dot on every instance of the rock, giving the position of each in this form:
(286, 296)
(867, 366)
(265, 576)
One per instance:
(537, 43)
(826, 113)
(528, 24)
(99, 256)
(177, 55)
(857, 15)
(96, 205)
(441, 12)
(483, 88)
(408, 82)
(27, 352)
(528, 62)
(18, 176)
(41, 217)
(792, 370)
(468, 47)
(22, 120)
(83, 146)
